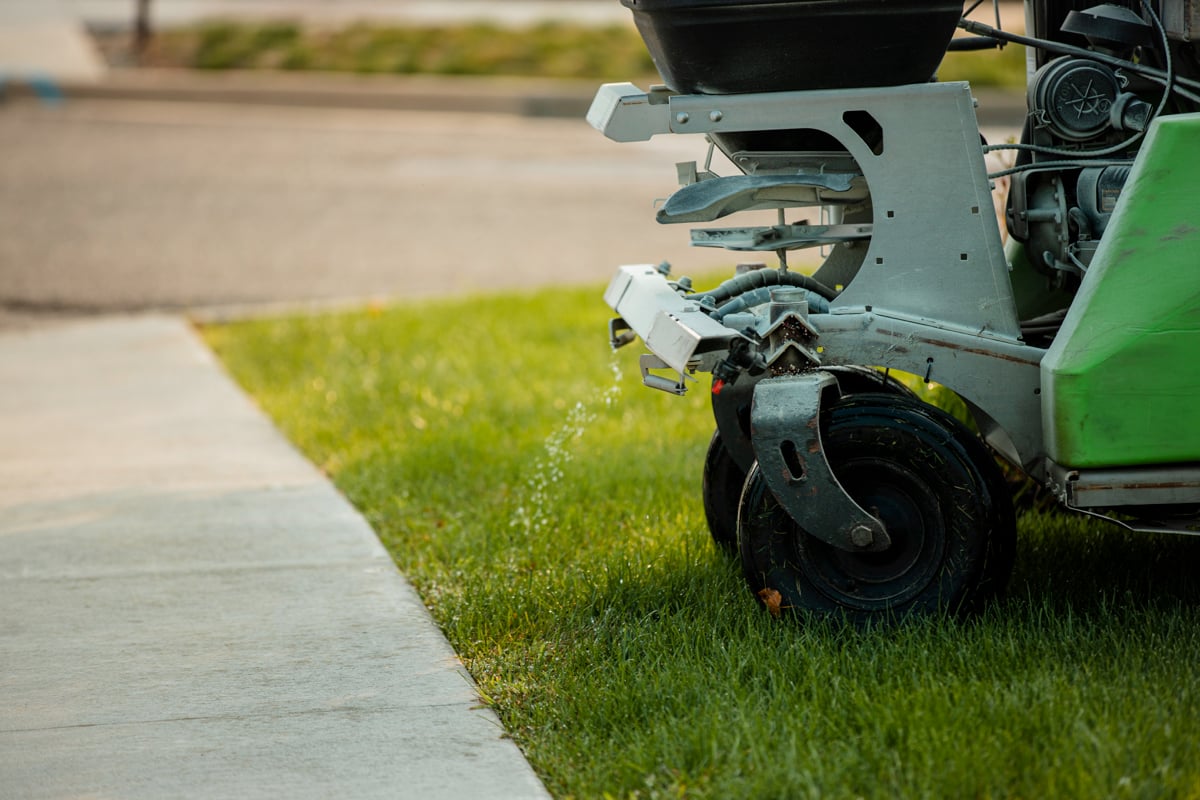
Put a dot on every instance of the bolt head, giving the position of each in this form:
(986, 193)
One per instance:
(861, 536)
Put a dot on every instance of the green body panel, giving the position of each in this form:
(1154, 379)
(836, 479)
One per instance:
(1121, 383)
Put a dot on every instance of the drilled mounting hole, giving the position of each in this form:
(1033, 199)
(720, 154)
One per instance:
(796, 468)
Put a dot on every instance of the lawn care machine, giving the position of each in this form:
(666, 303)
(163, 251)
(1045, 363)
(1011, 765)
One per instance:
(1075, 345)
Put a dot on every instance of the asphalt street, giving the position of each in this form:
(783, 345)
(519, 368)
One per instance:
(110, 205)
(123, 205)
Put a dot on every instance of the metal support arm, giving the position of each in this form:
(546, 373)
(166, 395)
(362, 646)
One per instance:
(786, 433)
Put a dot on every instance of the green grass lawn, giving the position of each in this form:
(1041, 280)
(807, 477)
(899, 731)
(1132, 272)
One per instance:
(547, 507)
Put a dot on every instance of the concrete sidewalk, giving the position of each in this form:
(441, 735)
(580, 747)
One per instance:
(189, 609)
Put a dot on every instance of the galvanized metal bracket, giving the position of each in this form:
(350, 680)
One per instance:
(1120, 487)
(675, 385)
(935, 251)
(785, 425)
(673, 327)
(625, 113)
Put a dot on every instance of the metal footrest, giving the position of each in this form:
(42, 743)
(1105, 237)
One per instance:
(712, 199)
(779, 237)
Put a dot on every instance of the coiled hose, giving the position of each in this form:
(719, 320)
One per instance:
(754, 288)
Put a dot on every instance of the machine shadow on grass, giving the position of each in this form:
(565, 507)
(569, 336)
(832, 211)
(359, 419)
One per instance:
(1069, 564)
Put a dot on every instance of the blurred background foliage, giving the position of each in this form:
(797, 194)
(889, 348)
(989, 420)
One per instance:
(545, 50)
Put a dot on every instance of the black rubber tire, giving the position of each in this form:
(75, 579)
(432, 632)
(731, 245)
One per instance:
(936, 487)
(722, 491)
(854, 379)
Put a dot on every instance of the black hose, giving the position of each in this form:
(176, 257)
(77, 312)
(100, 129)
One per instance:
(756, 297)
(1045, 325)
(971, 43)
(760, 278)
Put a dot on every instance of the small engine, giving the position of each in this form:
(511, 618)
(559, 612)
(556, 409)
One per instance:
(1089, 107)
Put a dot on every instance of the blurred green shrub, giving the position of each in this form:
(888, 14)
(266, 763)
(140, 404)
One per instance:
(549, 50)
(546, 50)
(1001, 69)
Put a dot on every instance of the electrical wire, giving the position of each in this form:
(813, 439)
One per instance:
(1166, 43)
(1045, 165)
(1045, 325)
(968, 11)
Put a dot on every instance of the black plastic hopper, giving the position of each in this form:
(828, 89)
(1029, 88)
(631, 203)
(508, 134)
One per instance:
(722, 47)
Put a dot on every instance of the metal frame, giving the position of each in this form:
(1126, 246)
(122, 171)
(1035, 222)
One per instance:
(930, 295)
(792, 461)
(942, 309)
